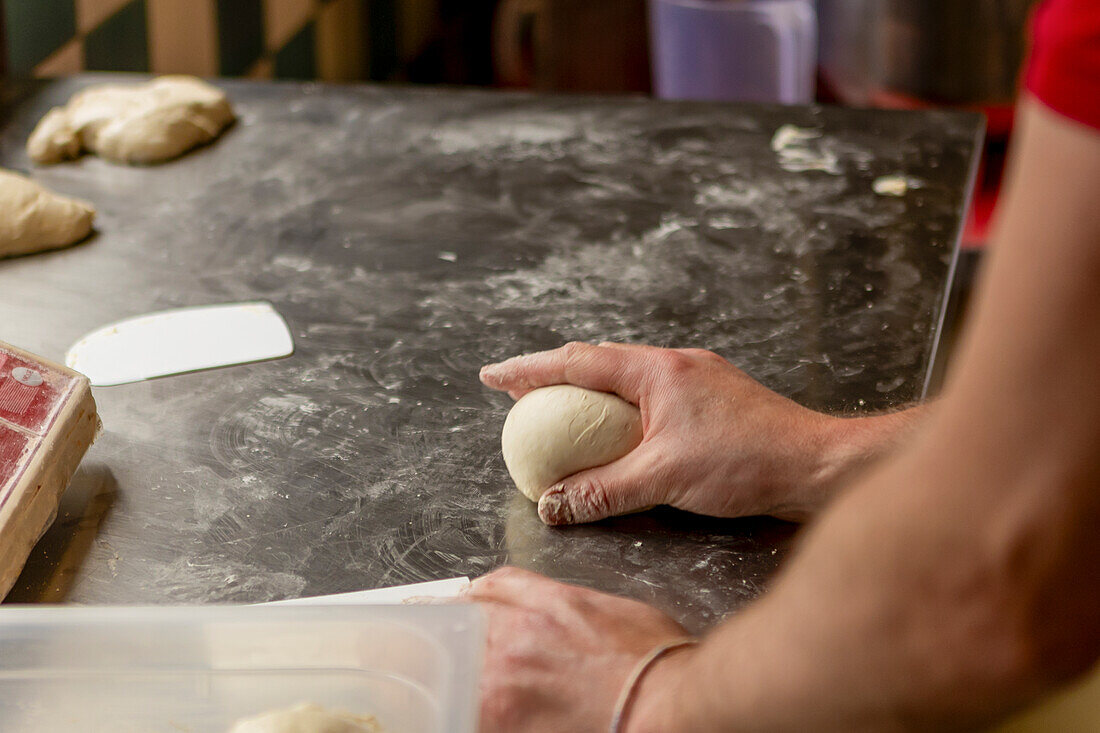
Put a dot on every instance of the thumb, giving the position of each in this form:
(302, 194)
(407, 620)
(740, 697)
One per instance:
(620, 487)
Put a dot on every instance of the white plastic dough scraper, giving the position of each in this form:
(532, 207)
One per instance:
(438, 590)
(181, 340)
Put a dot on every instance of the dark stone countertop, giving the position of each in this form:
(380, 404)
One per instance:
(410, 236)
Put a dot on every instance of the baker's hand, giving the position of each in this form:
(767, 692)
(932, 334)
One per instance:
(558, 655)
(714, 440)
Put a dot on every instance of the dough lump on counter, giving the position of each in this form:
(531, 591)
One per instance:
(134, 123)
(33, 218)
(554, 432)
(307, 718)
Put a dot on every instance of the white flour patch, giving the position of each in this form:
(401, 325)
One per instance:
(504, 131)
(894, 185)
(716, 195)
(300, 264)
(801, 149)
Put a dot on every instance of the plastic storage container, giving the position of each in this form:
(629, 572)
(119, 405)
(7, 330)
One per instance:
(734, 50)
(198, 670)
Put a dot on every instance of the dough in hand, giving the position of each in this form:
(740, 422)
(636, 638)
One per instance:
(554, 432)
(307, 718)
(134, 123)
(33, 218)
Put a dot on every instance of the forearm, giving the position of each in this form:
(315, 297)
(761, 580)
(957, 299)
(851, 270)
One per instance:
(888, 619)
(956, 581)
(923, 600)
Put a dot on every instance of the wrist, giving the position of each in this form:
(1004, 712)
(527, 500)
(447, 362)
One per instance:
(660, 702)
(820, 453)
(845, 445)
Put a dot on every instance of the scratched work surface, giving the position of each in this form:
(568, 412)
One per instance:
(409, 237)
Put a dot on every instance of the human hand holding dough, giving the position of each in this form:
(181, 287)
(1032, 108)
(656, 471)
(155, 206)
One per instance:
(133, 123)
(307, 718)
(33, 218)
(554, 432)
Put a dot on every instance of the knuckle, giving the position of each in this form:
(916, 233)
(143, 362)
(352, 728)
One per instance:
(710, 356)
(701, 355)
(717, 359)
(500, 707)
(508, 571)
(481, 584)
(514, 658)
(575, 349)
(490, 580)
(547, 626)
(677, 363)
(576, 355)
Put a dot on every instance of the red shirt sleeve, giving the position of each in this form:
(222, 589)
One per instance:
(1064, 68)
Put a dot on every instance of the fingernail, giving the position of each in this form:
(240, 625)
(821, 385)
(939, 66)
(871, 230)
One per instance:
(554, 506)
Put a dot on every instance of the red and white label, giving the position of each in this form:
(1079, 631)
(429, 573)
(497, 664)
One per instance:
(30, 393)
(31, 397)
(16, 397)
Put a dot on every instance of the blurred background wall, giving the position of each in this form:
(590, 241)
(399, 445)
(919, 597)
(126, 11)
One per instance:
(583, 45)
(335, 40)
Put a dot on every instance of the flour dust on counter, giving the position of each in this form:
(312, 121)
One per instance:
(34, 219)
(372, 457)
(894, 185)
(800, 149)
(133, 123)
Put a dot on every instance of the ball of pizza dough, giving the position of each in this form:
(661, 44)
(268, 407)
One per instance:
(554, 432)
(33, 218)
(133, 123)
(307, 718)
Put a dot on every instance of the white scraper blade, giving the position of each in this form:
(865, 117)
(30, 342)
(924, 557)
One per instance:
(181, 340)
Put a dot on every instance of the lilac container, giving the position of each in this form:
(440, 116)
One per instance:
(734, 50)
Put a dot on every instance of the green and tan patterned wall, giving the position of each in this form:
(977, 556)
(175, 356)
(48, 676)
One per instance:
(303, 39)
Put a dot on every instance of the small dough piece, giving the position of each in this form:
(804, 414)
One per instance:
(554, 432)
(307, 718)
(33, 218)
(136, 123)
